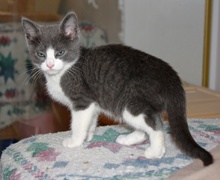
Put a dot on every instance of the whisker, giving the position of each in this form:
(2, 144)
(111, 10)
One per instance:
(29, 78)
(36, 76)
(25, 76)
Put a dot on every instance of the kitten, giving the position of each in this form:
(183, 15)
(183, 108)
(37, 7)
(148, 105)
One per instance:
(126, 84)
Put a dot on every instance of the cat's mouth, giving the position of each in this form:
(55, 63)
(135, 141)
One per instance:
(51, 71)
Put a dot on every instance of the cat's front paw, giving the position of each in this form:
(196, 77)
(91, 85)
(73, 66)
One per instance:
(70, 143)
(89, 137)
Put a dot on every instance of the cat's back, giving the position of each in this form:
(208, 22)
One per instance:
(123, 60)
(119, 53)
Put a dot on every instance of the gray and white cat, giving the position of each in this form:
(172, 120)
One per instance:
(129, 85)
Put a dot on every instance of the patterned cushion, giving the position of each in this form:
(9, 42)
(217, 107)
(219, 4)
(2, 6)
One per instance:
(43, 156)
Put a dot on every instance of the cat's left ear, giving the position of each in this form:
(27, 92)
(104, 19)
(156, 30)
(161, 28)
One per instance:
(69, 25)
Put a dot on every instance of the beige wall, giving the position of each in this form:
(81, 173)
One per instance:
(172, 30)
(107, 16)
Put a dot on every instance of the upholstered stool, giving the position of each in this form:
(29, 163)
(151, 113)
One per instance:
(44, 157)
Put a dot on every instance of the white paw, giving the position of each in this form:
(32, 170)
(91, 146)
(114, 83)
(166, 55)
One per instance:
(70, 143)
(123, 140)
(89, 136)
(136, 137)
(152, 153)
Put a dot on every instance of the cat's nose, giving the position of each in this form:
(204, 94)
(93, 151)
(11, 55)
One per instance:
(50, 65)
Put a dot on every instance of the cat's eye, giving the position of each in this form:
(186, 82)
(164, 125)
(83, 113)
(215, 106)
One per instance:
(60, 53)
(41, 54)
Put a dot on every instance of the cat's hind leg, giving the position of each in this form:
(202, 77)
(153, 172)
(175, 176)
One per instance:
(156, 137)
(135, 137)
(80, 125)
(157, 148)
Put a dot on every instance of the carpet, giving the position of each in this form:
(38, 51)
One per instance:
(43, 157)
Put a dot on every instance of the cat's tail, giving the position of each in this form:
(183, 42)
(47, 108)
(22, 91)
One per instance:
(180, 132)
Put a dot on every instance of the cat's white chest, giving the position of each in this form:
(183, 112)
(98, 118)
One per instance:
(54, 69)
(55, 90)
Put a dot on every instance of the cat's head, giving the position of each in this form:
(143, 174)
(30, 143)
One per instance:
(53, 48)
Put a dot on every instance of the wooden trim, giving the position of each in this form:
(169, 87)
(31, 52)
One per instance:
(8, 17)
(202, 103)
(10, 132)
(206, 47)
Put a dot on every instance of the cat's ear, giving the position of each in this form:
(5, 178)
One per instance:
(30, 28)
(69, 25)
